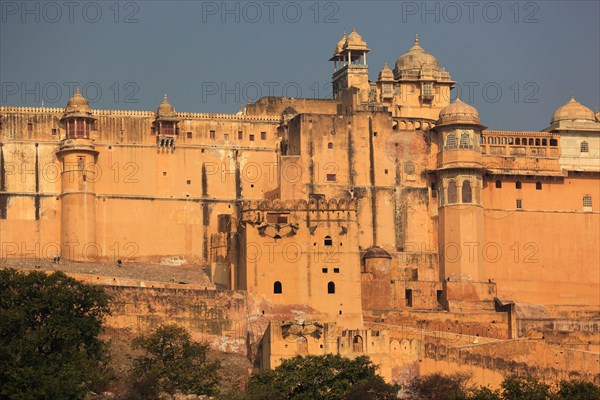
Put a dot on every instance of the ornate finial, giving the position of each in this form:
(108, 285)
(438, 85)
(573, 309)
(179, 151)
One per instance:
(77, 91)
(354, 29)
(417, 39)
(572, 96)
(385, 65)
(457, 100)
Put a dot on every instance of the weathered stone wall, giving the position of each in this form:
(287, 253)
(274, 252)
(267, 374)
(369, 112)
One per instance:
(218, 317)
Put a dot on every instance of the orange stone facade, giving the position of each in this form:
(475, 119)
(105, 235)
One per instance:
(384, 207)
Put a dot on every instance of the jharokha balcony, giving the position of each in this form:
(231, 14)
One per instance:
(520, 144)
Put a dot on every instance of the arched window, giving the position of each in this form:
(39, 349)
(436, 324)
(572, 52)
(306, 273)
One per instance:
(544, 142)
(451, 141)
(538, 185)
(498, 184)
(553, 142)
(584, 147)
(490, 140)
(531, 141)
(357, 344)
(331, 288)
(537, 142)
(328, 241)
(518, 141)
(452, 192)
(504, 140)
(330, 145)
(464, 139)
(467, 195)
(587, 202)
(277, 289)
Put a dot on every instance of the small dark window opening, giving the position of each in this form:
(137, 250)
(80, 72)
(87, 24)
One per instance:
(452, 192)
(467, 195)
(518, 184)
(331, 288)
(252, 138)
(164, 173)
(553, 142)
(331, 177)
(519, 203)
(433, 190)
(30, 127)
(240, 135)
(336, 270)
(409, 298)
(328, 241)
(53, 132)
(440, 297)
(213, 134)
(386, 171)
(277, 288)
(324, 270)
(189, 182)
(538, 185)
(498, 184)
(263, 136)
(330, 145)
(189, 135)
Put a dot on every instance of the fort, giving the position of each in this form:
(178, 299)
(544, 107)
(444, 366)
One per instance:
(387, 221)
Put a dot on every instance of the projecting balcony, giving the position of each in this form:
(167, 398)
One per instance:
(459, 157)
(83, 145)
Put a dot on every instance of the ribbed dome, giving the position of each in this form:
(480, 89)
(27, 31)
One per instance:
(386, 74)
(458, 112)
(415, 58)
(77, 104)
(355, 42)
(340, 46)
(376, 252)
(573, 110)
(165, 109)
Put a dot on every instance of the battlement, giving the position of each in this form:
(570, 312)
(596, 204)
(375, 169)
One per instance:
(145, 114)
(312, 204)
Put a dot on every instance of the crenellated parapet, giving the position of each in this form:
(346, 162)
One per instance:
(146, 114)
(313, 204)
(293, 212)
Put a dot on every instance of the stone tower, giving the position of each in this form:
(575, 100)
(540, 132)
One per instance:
(459, 172)
(350, 66)
(78, 156)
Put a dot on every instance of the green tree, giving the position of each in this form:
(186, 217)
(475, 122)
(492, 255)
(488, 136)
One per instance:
(484, 393)
(49, 327)
(578, 390)
(173, 363)
(326, 377)
(528, 388)
(439, 387)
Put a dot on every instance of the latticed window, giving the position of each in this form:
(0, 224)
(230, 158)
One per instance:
(427, 90)
(585, 147)
(451, 141)
(587, 201)
(464, 140)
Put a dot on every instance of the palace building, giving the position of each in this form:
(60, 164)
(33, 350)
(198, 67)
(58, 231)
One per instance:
(387, 205)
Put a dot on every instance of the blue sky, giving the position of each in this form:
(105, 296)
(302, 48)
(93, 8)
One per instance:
(515, 62)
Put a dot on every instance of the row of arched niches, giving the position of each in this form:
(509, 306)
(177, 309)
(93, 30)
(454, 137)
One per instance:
(300, 205)
(411, 125)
